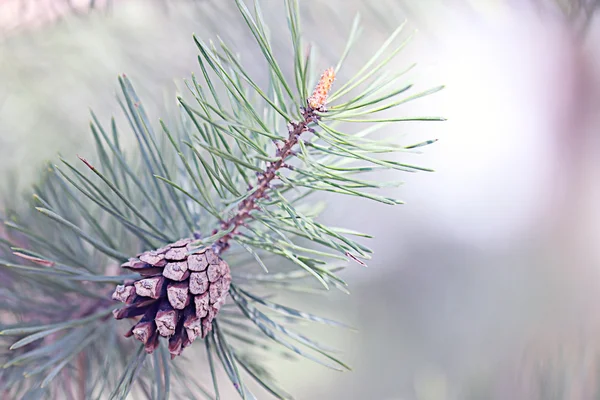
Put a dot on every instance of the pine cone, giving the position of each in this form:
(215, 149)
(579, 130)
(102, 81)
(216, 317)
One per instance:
(178, 295)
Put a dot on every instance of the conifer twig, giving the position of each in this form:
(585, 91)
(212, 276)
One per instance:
(147, 211)
(285, 150)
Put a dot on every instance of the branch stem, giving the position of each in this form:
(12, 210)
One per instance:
(265, 178)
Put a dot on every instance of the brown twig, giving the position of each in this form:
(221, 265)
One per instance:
(265, 178)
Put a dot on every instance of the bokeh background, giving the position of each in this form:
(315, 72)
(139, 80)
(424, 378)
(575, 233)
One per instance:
(485, 285)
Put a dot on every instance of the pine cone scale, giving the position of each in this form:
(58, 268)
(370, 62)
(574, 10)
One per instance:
(176, 254)
(192, 325)
(150, 287)
(143, 331)
(178, 295)
(197, 262)
(176, 271)
(175, 345)
(199, 282)
(166, 319)
(152, 343)
(153, 259)
(202, 305)
(124, 294)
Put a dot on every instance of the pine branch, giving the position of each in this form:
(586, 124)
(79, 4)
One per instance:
(265, 178)
(190, 215)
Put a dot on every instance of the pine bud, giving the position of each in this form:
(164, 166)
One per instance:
(319, 96)
(178, 295)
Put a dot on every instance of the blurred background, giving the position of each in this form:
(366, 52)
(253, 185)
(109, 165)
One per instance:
(485, 284)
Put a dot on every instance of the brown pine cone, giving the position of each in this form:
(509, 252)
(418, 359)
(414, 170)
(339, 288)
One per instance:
(177, 297)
